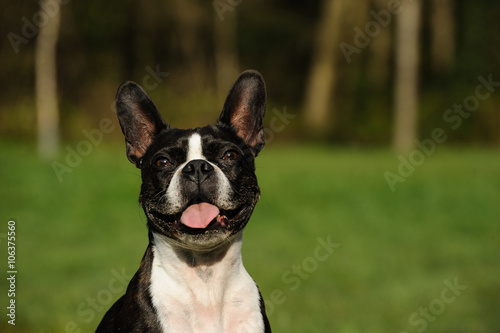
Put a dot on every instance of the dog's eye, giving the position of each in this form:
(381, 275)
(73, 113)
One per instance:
(162, 162)
(230, 155)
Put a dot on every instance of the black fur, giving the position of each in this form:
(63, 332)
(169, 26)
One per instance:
(148, 139)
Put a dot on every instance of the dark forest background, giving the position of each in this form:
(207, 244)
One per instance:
(203, 45)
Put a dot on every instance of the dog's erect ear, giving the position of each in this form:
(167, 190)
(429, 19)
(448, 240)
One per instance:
(245, 107)
(139, 119)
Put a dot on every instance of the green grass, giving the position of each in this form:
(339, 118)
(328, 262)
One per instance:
(395, 250)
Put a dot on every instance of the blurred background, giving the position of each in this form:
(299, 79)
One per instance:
(382, 133)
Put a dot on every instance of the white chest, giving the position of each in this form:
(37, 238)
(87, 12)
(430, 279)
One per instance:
(218, 298)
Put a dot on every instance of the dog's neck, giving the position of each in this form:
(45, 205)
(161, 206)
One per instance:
(179, 262)
(195, 291)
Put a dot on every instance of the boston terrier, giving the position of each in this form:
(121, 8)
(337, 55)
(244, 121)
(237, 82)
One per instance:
(198, 191)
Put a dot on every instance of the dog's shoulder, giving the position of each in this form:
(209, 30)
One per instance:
(133, 312)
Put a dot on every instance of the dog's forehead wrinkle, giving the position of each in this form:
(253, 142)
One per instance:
(175, 138)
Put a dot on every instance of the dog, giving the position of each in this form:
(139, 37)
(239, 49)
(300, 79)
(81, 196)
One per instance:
(198, 191)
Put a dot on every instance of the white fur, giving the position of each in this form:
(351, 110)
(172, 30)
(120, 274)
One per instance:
(195, 152)
(195, 149)
(218, 298)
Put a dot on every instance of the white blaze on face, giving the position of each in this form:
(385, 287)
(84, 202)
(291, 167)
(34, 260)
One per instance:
(174, 190)
(195, 149)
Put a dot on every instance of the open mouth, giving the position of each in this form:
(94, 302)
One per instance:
(199, 216)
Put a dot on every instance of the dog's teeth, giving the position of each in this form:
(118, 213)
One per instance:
(221, 219)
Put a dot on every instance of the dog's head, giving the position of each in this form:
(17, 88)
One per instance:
(198, 185)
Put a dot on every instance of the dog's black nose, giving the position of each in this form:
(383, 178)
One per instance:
(197, 170)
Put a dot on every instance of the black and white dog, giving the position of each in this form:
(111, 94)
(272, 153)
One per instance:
(198, 191)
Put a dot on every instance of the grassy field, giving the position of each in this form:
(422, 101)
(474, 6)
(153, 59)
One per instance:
(331, 247)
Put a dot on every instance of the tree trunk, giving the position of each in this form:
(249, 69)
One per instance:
(443, 35)
(406, 80)
(46, 81)
(318, 105)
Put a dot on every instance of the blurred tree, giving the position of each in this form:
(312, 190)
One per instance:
(406, 80)
(442, 35)
(295, 44)
(318, 105)
(46, 81)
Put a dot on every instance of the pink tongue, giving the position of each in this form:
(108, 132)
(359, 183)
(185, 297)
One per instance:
(199, 215)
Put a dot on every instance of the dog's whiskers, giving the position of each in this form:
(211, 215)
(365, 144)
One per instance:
(159, 196)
